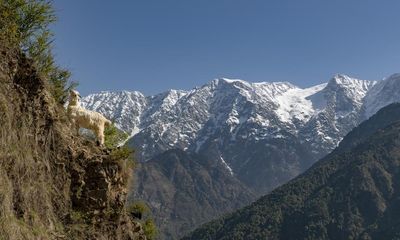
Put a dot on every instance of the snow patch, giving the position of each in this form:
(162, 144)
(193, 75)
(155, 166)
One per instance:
(226, 166)
(295, 104)
(135, 131)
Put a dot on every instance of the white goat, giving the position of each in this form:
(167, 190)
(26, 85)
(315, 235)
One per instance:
(83, 118)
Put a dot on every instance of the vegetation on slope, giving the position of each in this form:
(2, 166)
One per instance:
(114, 137)
(140, 211)
(350, 194)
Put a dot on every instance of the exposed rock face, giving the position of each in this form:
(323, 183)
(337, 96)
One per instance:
(98, 185)
(53, 184)
(350, 194)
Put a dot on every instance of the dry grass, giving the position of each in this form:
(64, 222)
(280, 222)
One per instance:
(27, 190)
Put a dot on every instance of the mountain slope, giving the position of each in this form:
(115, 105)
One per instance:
(186, 190)
(350, 194)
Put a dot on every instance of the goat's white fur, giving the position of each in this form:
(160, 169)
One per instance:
(83, 118)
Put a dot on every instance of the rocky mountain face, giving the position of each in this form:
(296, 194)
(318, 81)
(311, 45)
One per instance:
(53, 183)
(353, 193)
(187, 190)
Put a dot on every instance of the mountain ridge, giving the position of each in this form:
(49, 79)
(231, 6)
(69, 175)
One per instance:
(229, 113)
(128, 112)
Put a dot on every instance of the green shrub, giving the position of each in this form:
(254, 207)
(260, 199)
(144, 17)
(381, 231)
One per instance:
(150, 229)
(77, 216)
(141, 212)
(136, 209)
(25, 24)
(122, 153)
(114, 137)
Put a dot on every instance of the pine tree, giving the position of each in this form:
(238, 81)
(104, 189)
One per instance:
(25, 24)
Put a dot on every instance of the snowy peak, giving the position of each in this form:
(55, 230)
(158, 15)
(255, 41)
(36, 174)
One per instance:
(93, 101)
(352, 88)
(298, 104)
(234, 82)
(269, 89)
(341, 79)
(337, 109)
(272, 90)
(170, 97)
(383, 93)
(352, 84)
(165, 101)
(267, 95)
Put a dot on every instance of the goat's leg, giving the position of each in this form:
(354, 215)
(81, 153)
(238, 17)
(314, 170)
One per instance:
(98, 135)
(101, 135)
(75, 126)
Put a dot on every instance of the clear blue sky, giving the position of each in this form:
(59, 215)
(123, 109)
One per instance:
(152, 46)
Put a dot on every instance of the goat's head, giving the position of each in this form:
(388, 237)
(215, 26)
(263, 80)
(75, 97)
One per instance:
(74, 94)
(74, 98)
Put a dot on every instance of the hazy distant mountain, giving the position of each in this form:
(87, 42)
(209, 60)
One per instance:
(353, 193)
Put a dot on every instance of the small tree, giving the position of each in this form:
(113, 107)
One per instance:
(26, 24)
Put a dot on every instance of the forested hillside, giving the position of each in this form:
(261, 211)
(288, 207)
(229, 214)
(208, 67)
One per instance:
(350, 194)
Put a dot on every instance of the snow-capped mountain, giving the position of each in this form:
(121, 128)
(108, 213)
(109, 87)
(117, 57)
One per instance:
(382, 94)
(272, 130)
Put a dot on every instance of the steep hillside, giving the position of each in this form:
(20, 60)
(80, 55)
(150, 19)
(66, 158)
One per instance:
(385, 117)
(54, 184)
(186, 190)
(350, 194)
